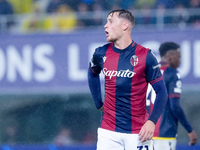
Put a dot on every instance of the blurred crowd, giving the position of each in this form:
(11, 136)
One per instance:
(82, 13)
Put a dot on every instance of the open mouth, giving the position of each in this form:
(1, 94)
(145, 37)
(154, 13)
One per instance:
(107, 33)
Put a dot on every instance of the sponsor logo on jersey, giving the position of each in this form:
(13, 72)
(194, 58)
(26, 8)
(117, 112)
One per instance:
(134, 60)
(121, 73)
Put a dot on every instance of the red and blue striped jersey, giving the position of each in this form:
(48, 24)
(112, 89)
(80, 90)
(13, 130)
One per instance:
(127, 74)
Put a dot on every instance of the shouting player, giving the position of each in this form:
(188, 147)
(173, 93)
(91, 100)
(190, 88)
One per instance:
(128, 68)
(167, 126)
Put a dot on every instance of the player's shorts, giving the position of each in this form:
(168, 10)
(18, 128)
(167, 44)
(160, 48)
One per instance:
(110, 140)
(164, 143)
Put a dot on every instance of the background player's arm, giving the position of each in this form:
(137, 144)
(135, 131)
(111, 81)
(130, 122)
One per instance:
(179, 114)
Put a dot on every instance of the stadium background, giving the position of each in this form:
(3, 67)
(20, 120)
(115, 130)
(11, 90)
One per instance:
(44, 57)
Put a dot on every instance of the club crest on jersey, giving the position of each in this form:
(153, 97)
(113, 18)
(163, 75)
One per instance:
(134, 60)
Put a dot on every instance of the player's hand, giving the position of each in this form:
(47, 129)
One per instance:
(193, 138)
(147, 131)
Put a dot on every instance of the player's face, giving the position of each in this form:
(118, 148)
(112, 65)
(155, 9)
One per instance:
(174, 59)
(113, 27)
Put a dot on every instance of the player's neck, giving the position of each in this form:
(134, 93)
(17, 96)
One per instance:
(123, 43)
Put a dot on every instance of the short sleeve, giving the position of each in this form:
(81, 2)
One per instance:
(95, 63)
(152, 70)
(174, 88)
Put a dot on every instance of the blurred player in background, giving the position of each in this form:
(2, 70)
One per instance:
(128, 68)
(167, 125)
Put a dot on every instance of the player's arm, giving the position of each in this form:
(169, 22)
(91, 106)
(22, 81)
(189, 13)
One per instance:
(193, 138)
(180, 115)
(147, 131)
(94, 79)
(155, 77)
(178, 112)
(160, 101)
(95, 88)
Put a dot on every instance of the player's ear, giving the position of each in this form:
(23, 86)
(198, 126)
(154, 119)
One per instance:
(168, 59)
(125, 26)
(169, 56)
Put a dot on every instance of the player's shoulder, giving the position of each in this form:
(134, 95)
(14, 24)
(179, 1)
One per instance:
(145, 52)
(103, 48)
(141, 48)
(171, 73)
(170, 70)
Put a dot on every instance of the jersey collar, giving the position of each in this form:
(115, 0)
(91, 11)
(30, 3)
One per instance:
(117, 50)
